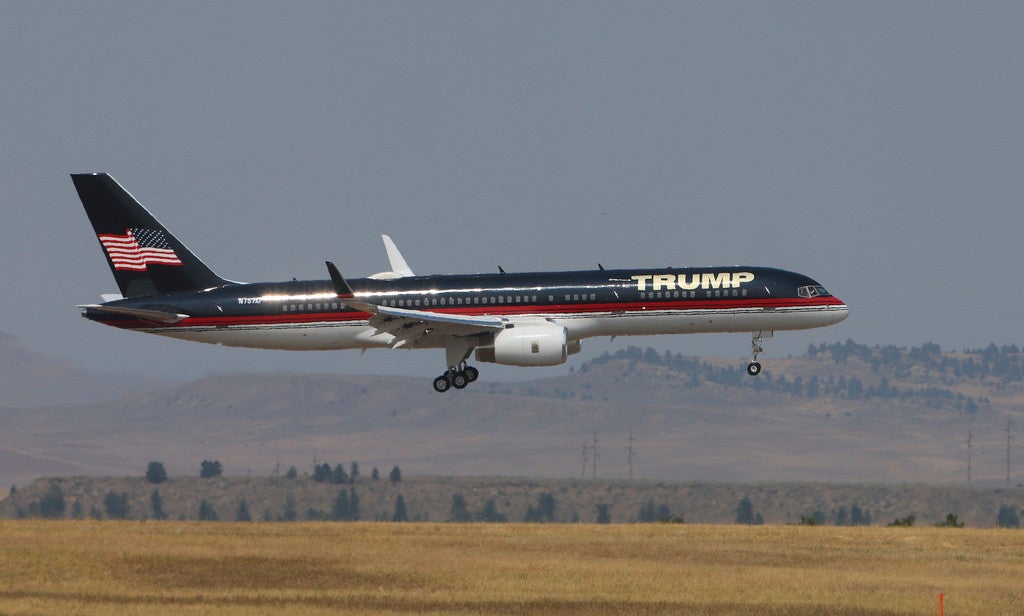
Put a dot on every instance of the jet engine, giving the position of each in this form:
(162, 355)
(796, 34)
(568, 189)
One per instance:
(539, 344)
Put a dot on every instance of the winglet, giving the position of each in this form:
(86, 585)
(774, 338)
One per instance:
(345, 293)
(340, 286)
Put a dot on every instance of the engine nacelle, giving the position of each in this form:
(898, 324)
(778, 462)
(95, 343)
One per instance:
(542, 344)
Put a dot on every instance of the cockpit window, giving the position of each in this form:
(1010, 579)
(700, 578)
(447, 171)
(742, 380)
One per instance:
(812, 291)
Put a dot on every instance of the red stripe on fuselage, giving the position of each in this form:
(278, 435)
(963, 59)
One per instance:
(296, 318)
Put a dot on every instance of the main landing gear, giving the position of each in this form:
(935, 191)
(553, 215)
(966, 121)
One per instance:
(457, 378)
(754, 367)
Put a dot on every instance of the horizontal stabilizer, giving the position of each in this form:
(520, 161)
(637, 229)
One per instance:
(158, 316)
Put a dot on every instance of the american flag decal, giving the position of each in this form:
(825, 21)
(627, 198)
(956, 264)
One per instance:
(137, 248)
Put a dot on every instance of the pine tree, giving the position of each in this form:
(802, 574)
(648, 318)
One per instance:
(1007, 517)
(322, 473)
(52, 504)
(339, 475)
(210, 468)
(745, 511)
(156, 503)
(400, 515)
(206, 512)
(341, 509)
(459, 511)
(647, 512)
(490, 513)
(289, 514)
(396, 475)
(116, 505)
(353, 505)
(155, 472)
(242, 512)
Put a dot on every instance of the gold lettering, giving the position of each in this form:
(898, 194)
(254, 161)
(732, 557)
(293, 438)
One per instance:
(641, 281)
(714, 281)
(739, 278)
(663, 280)
(690, 285)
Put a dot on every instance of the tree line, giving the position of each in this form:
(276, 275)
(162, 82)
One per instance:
(887, 362)
(347, 506)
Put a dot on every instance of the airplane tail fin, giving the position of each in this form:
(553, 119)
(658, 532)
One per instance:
(143, 255)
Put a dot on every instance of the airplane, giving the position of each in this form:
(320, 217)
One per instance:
(516, 319)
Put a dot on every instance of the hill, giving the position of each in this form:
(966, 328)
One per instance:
(841, 412)
(28, 379)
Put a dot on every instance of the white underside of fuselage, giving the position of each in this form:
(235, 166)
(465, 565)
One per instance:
(330, 335)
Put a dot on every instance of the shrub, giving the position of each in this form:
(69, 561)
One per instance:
(210, 468)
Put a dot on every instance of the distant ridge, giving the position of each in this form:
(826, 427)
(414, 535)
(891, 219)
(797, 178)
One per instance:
(843, 412)
(28, 379)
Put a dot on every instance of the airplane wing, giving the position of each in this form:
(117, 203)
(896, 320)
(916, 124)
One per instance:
(408, 326)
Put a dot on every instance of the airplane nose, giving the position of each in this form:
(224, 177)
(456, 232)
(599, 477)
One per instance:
(842, 311)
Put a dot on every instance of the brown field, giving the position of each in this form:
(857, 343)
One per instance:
(104, 567)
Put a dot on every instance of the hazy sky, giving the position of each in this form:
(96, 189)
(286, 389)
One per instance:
(877, 147)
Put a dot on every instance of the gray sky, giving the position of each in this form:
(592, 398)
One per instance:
(876, 147)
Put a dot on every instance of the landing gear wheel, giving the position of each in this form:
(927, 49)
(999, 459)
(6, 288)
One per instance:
(471, 373)
(460, 380)
(754, 368)
(441, 384)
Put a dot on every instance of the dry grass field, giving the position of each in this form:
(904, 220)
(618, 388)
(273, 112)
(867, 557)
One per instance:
(104, 567)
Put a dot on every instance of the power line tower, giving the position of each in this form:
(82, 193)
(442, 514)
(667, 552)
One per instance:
(1009, 439)
(970, 453)
(593, 459)
(583, 454)
(630, 454)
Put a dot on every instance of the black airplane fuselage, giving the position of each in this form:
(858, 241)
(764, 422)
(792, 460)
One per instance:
(308, 315)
